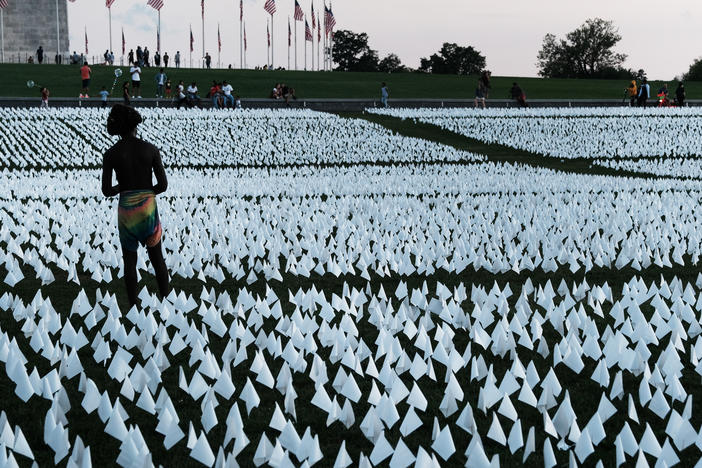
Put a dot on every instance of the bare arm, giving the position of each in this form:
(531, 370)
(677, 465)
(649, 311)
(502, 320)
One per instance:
(107, 188)
(159, 171)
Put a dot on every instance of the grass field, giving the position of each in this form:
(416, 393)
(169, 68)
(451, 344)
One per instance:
(64, 81)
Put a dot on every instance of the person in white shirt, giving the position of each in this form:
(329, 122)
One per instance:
(228, 96)
(135, 71)
(181, 94)
(193, 97)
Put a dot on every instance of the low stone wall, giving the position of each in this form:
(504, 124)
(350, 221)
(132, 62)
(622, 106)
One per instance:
(331, 105)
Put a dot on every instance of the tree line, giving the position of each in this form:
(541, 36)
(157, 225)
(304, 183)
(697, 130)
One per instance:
(586, 52)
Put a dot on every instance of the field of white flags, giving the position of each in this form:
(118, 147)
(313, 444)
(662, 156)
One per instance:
(345, 295)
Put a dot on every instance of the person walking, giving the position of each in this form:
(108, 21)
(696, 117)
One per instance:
(644, 93)
(177, 59)
(135, 71)
(130, 56)
(134, 161)
(208, 60)
(40, 55)
(633, 92)
(384, 94)
(484, 83)
(85, 73)
(44, 98)
(680, 94)
(165, 59)
(518, 95)
(157, 59)
(147, 57)
(161, 79)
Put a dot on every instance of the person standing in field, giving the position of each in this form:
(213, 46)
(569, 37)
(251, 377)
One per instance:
(165, 59)
(384, 94)
(135, 71)
(177, 59)
(134, 162)
(125, 93)
(85, 73)
(103, 97)
(130, 56)
(40, 55)
(44, 98)
(633, 93)
(161, 79)
(484, 83)
(644, 93)
(680, 94)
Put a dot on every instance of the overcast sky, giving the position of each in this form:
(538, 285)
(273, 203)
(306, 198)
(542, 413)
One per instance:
(662, 37)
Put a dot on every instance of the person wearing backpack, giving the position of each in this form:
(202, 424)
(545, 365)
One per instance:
(644, 93)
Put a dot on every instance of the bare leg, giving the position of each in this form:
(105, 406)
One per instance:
(159, 264)
(130, 275)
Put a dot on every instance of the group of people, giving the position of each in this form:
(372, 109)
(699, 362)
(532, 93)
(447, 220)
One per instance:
(143, 58)
(640, 94)
(284, 92)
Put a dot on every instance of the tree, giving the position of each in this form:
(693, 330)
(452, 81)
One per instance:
(586, 52)
(391, 64)
(453, 59)
(352, 53)
(695, 71)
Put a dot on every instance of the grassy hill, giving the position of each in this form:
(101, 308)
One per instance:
(64, 81)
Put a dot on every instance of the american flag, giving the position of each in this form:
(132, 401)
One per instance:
(308, 32)
(192, 40)
(245, 43)
(329, 20)
(86, 43)
(241, 10)
(268, 33)
(108, 3)
(299, 15)
(319, 29)
(3, 4)
(124, 43)
(314, 23)
(269, 7)
(155, 4)
(219, 40)
(158, 39)
(202, 5)
(289, 33)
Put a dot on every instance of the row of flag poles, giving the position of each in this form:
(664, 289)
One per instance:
(328, 23)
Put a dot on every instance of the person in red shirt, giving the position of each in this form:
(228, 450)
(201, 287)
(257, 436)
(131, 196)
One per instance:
(85, 73)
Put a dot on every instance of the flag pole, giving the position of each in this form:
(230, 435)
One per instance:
(241, 34)
(219, 48)
(305, 45)
(158, 46)
(272, 43)
(203, 35)
(295, 43)
(288, 42)
(109, 14)
(2, 36)
(58, 40)
(191, 45)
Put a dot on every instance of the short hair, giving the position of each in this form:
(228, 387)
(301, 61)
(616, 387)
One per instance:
(122, 120)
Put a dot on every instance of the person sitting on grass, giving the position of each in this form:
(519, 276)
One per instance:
(103, 97)
(518, 95)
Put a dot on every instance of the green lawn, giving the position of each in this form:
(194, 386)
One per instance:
(64, 81)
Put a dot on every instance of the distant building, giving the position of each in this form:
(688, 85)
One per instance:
(29, 24)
